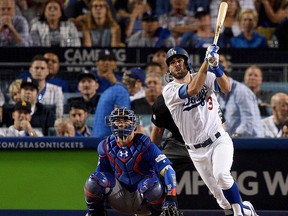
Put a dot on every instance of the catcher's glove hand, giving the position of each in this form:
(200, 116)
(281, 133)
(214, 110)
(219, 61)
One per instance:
(169, 208)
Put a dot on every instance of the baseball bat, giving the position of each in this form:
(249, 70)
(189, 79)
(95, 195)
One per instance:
(220, 20)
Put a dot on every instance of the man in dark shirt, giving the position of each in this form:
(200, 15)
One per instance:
(87, 85)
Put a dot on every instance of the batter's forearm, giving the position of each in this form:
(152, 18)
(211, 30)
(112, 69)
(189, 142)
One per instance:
(198, 81)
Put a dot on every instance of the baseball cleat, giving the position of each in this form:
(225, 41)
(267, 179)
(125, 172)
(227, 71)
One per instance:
(251, 208)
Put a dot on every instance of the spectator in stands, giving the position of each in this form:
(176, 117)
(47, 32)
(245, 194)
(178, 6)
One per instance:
(2, 101)
(152, 35)
(117, 95)
(273, 125)
(152, 91)
(248, 38)
(78, 115)
(281, 32)
(22, 118)
(231, 23)
(285, 130)
(43, 116)
(99, 27)
(164, 6)
(49, 94)
(64, 128)
(106, 72)
(253, 79)
(155, 67)
(87, 85)
(14, 29)
(77, 8)
(14, 91)
(52, 29)
(160, 57)
(54, 67)
(203, 36)
(143, 106)
(33, 12)
(179, 19)
(240, 108)
(214, 7)
(137, 76)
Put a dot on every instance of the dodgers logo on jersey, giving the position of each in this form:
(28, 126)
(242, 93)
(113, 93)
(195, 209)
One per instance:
(196, 100)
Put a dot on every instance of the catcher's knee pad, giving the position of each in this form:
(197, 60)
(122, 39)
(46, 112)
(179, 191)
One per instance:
(98, 185)
(151, 189)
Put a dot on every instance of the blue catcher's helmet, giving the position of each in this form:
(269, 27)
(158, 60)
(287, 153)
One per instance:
(125, 114)
(178, 51)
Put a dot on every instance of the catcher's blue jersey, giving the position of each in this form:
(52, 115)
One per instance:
(130, 164)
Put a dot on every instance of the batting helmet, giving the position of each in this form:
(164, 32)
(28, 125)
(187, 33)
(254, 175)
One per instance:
(178, 51)
(122, 113)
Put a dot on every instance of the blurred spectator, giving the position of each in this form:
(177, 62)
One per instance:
(33, 12)
(248, 38)
(99, 27)
(152, 34)
(14, 29)
(285, 130)
(87, 85)
(155, 67)
(129, 13)
(240, 108)
(77, 8)
(64, 128)
(281, 33)
(49, 94)
(14, 91)
(164, 6)
(270, 12)
(273, 125)
(214, 6)
(160, 57)
(179, 19)
(231, 23)
(133, 24)
(137, 89)
(152, 91)
(2, 101)
(78, 115)
(143, 106)
(203, 36)
(42, 116)
(253, 79)
(52, 29)
(117, 95)
(106, 70)
(54, 67)
(22, 118)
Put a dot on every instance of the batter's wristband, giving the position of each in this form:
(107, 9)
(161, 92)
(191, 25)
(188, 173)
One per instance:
(217, 71)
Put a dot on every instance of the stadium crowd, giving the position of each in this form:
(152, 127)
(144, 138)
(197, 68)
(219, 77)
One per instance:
(249, 111)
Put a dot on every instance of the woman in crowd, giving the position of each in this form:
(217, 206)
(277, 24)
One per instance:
(98, 26)
(53, 29)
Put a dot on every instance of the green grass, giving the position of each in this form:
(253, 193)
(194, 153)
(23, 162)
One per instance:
(44, 179)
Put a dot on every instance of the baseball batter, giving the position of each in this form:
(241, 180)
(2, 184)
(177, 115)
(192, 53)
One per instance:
(194, 109)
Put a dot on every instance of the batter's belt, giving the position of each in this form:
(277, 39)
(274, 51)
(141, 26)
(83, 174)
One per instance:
(205, 143)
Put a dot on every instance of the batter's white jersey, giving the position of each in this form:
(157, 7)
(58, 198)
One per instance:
(197, 116)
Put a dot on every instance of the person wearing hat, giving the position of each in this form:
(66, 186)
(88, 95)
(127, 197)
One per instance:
(87, 86)
(152, 35)
(106, 70)
(43, 116)
(22, 126)
(117, 95)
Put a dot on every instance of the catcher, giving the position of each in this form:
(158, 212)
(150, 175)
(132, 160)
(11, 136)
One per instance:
(132, 176)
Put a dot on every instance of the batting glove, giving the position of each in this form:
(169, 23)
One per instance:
(169, 208)
(212, 56)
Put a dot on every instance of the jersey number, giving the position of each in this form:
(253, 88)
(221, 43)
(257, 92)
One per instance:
(210, 103)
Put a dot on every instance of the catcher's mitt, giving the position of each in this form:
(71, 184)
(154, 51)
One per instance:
(170, 209)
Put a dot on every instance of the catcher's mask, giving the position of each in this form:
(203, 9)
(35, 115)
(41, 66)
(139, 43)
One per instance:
(180, 52)
(122, 122)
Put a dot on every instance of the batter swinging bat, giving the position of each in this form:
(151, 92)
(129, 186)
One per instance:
(220, 20)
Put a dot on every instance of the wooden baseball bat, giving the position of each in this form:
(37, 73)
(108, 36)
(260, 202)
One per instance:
(220, 20)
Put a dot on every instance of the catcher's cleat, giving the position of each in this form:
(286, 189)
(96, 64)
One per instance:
(251, 208)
